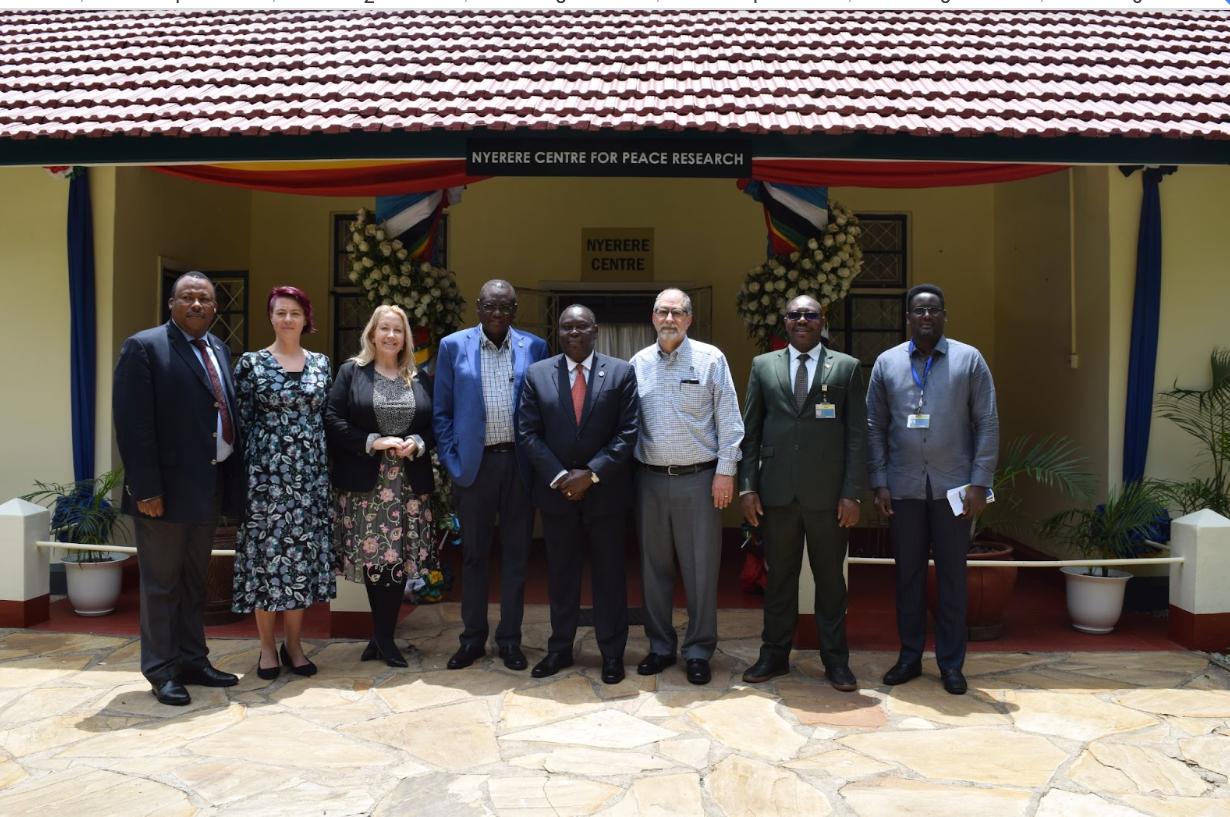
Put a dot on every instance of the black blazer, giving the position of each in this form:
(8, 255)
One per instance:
(165, 425)
(548, 432)
(350, 416)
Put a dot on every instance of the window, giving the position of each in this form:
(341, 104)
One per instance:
(871, 318)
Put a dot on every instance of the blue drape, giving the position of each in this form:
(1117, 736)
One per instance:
(81, 314)
(1146, 303)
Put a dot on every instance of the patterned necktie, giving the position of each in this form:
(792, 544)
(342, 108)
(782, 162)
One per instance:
(228, 431)
(578, 392)
(800, 383)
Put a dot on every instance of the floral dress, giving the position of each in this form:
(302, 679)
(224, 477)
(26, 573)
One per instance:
(283, 552)
(385, 535)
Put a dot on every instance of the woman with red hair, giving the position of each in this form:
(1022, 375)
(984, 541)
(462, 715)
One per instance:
(284, 553)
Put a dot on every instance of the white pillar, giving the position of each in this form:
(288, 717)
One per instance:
(1200, 586)
(25, 573)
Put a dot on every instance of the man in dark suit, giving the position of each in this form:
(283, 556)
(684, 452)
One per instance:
(578, 425)
(479, 372)
(804, 471)
(175, 426)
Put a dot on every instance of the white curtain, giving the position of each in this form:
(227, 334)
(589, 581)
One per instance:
(623, 340)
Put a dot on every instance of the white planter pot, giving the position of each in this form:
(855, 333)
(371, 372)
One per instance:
(94, 587)
(1095, 602)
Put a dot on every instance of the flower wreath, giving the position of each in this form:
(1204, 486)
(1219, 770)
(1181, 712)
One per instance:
(386, 272)
(824, 269)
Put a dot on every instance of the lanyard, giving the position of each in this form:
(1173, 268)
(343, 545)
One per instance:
(920, 382)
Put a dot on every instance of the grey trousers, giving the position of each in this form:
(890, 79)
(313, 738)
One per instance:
(676, 518)
(174, 561)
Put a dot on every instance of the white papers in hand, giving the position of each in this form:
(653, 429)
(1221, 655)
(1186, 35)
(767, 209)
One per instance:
(956, 498)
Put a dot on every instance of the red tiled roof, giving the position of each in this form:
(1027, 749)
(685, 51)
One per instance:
(68, 75)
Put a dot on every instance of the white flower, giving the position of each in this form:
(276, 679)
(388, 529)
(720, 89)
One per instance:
(794, 257)
(424, 299)
(380, 235)
(793, 275)
(811, 244)
(357, 266)
(760, 332)
(780, 286)
(405, 280)
(840, 238)
(350, 247)
(843, 272)
(370, 229)
(384, 289)
(397, 245)
(369, 263)
(386, 269)
(753, 287)
(766, 300)
(401, 254)
(435, 292)
(386, 248)
(420, 312)
(841, 221)
(427, 267)
(828, 241)
(791, 294)
(771, 319)
(354, 275)
(807, 264)
(364, 246)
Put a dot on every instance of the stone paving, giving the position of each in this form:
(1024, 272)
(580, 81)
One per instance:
(1041, 735)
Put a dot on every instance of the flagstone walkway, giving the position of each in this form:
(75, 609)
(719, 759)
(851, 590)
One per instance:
(1043, 735)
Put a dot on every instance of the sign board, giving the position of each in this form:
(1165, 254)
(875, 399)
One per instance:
(617, 254)
(718, 157)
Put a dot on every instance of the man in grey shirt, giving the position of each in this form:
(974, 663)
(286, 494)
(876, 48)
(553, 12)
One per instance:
(932, 426)
(688, 454)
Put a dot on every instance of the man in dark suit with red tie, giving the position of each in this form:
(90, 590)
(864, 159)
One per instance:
(578, 425)
(175, 426)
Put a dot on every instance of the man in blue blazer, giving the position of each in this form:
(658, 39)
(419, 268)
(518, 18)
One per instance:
(479, 373)
(177, 432)
(578, 424)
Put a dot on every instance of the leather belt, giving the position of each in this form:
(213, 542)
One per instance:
(500, 448)
(680, 470)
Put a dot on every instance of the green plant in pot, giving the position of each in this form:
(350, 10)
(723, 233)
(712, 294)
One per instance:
(83, 513)
(1050, 461)
(1117, 529)
(1203, 414)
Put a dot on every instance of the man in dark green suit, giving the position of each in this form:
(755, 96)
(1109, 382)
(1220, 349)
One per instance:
(804, 470)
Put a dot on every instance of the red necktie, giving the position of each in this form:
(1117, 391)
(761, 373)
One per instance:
(578, 392)
(228, 431)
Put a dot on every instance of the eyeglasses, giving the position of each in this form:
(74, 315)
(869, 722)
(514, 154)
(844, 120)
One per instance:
(503, 307)
(798, 315)
(663, 312)
(189, 300)
(919, 311)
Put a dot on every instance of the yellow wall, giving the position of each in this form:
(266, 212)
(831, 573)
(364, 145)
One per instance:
(35, 437)
(290, 245)
(1195, 301)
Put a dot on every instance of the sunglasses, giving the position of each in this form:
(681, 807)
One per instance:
(802, 316)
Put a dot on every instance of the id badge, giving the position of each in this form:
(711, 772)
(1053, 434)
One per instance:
(918, 421)
(826, 411)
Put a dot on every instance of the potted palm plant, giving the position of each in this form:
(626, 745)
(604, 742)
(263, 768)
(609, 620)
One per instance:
(1204, 414)
(1052, 462)
(83, 513)
(1120, 528)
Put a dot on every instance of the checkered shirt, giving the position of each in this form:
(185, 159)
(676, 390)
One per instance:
(496, 365)
(689, 408)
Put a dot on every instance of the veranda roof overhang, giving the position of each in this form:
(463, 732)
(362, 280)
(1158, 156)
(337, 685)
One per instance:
(154, 87)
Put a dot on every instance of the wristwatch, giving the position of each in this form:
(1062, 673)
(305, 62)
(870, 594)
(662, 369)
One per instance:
(593, 477)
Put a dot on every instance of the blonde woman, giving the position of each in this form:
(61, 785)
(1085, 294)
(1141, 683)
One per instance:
(378, 424)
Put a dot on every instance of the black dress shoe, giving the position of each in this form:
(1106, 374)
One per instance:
(654, 663)
(465, 656)
(841, 679)
(207, 676)
(306, 670)
(371, 652)
(902, 672)
(171, 692)
(553, 663)
(766, 667)
(698, 671)
(954, 682)
(612, 670)
(514, 658)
